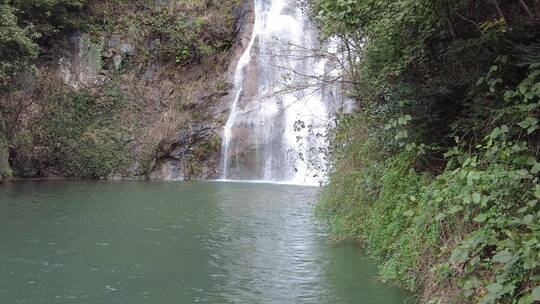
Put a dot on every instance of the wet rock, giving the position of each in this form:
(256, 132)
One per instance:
(185, 155)
(82, 64)
(152, 46)
(204, 97)
(150, 73)
(167, 88)
(242, 13)
(127, 49)
(168, 170)
(120, 177)
(114, 41)
(290, 9)
(162, 2)
(108, 53)
(117, 62)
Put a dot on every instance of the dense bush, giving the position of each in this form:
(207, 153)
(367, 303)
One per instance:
(191, 33)
(17, 48)
(186, 32)
(50, 17)
(439, 175)
(72, 135)
(25, 24)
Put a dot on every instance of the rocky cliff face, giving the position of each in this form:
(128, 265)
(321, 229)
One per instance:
(195, 151)
(128, 103)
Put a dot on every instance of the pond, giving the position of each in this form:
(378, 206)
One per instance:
(160, 243)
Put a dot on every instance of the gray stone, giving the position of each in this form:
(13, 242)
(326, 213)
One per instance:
(117, 62)
(168, 170)
(108, 53)
(83, 64)
(150, 73)
(114, 41)
(152, 46)
(162, 2)
(127, 49)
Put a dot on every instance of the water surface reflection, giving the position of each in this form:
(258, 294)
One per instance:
(141, 242)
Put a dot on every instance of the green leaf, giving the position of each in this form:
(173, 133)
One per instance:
(534, 65)
(502, 257)
(494, 288)
(459, 255)
(404, 120)
(476, 197)
(530, 123)
(402, 134)
(455, 209)
(440, 217)
(526, 299)
(480, 81)
(536, 293)
(495, 133)
(528, 219)
(536, 168)
(482, 217)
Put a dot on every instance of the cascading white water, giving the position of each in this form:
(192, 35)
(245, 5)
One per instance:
(275, 132)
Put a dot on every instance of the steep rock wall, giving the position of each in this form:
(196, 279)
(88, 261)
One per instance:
(195, 152)
(125, 103)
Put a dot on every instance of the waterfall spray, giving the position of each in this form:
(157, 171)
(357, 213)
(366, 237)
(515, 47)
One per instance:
(273, 133)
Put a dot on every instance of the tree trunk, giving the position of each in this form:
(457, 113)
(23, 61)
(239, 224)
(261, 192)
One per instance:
(498, 8)
(5, 169)
(526, 9)
(472, 9)
(451, 27)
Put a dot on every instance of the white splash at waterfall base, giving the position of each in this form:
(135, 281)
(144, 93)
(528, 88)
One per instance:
(279, 119)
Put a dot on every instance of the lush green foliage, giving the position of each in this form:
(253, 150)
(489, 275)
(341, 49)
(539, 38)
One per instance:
(439, 175)
(187, 31)
(17, 48)
(188, 38)
(184, 31)
(26, 23)
(50, 17)
(72, 135)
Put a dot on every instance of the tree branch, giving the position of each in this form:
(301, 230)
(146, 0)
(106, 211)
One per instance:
(526, 9)
(498, 8)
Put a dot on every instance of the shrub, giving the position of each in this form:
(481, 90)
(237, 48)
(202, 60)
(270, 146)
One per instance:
(73, 135)
(438, 170)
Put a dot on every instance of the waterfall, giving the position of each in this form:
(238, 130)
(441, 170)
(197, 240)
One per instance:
(277, 126)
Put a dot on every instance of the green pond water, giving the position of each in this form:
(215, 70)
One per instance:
(160, 243)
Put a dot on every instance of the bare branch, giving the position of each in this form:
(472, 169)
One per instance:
(467, 19)
(526, 9)
(498, 8)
